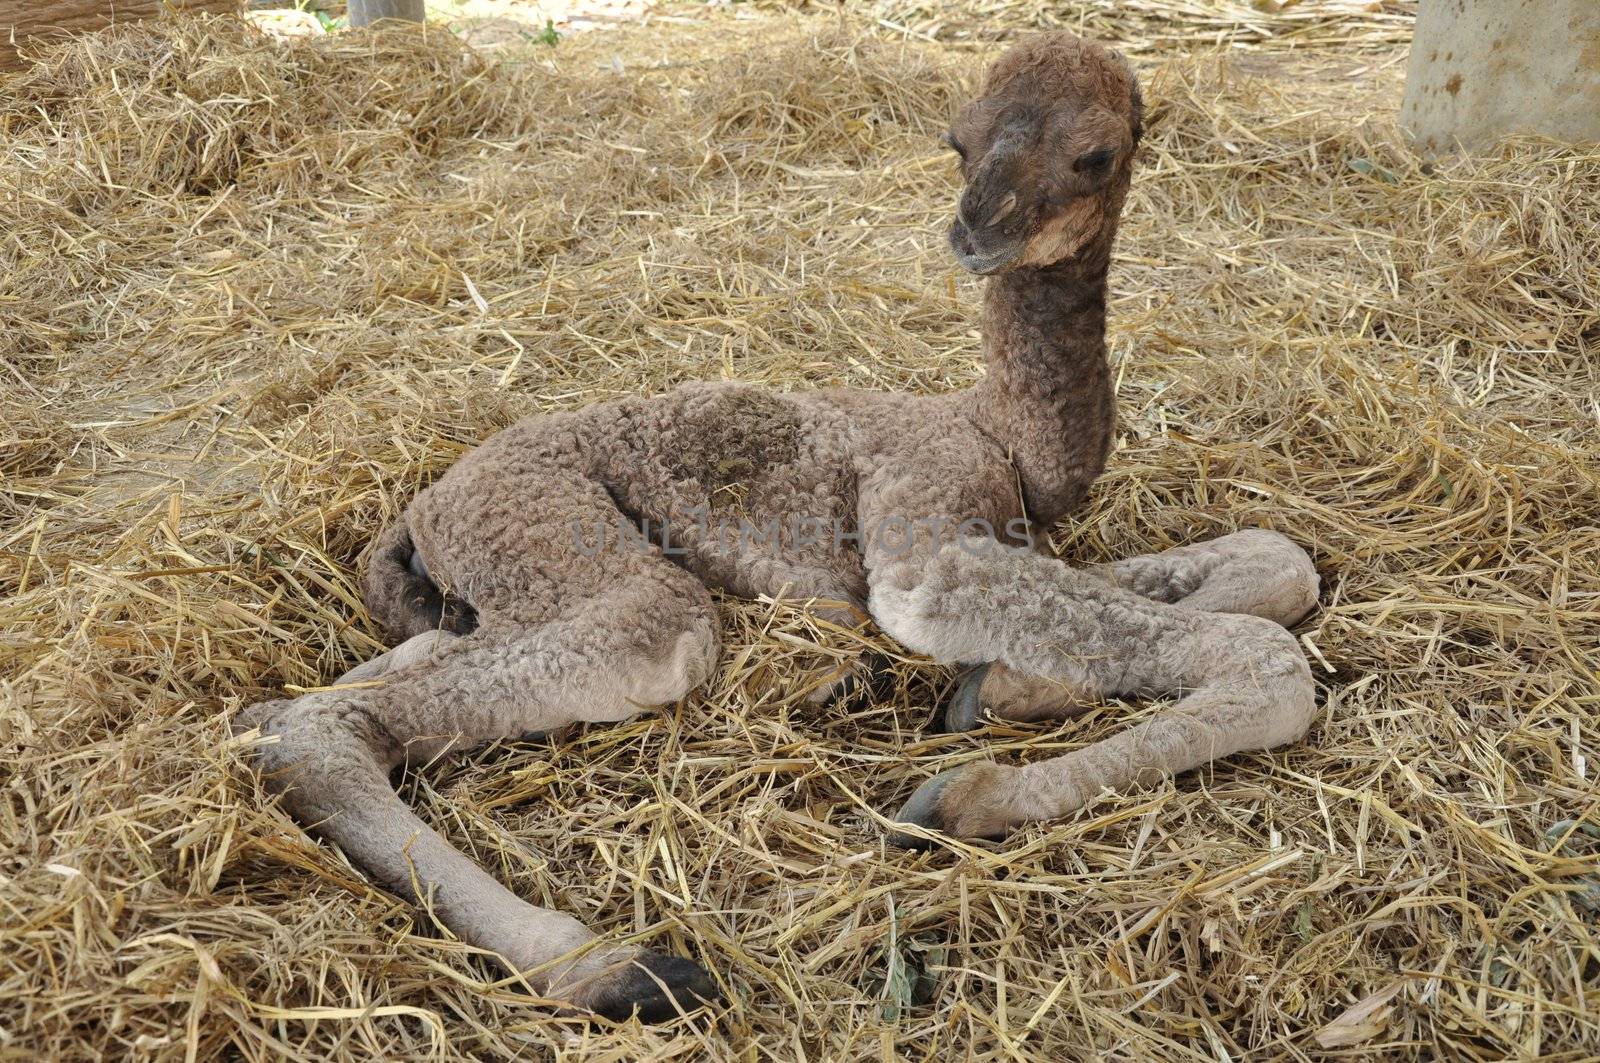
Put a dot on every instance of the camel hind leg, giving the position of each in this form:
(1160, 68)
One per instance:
(334, 751)
(1253, 573)
(643, 633)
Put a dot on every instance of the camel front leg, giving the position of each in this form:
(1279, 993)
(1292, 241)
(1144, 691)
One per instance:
(1253, 572)
(975, 600)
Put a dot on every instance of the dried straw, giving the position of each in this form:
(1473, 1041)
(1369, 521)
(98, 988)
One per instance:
(254, 293)
(1155, 26)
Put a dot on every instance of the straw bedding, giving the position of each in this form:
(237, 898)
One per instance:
(255, 293)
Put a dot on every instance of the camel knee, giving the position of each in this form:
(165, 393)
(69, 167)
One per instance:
(1264, 573)
(311, 742)
(913, 618)
(1259, 667)
(939, 606)
(682, 665)
(308, 745)
(1289, 581)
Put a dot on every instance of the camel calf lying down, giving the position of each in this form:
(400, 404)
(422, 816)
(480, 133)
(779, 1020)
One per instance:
(559, 610)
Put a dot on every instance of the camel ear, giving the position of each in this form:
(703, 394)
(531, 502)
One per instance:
(1137, 105)
(1135, 98)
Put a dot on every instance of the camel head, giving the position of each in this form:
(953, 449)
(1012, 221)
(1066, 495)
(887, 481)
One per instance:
(1046, 152)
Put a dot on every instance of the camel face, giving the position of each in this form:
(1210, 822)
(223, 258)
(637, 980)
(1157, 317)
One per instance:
(1046, 152)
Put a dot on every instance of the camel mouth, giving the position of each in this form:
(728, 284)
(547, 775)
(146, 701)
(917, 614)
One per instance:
(984, 267)
(973, 261)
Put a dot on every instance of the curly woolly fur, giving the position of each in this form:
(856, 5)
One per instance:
(508, 624)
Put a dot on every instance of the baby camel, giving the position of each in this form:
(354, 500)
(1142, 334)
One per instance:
(560, 572)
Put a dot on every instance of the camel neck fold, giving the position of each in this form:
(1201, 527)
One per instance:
(1047, 395)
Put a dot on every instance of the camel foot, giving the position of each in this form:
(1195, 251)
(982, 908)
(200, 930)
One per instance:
(964, 709)
(922, 811)
(972, 801)
(654, 987)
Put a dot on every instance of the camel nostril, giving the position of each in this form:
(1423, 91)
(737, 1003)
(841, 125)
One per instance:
(961, 237)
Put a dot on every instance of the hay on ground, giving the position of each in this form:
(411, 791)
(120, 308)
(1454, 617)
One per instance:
(254, 293)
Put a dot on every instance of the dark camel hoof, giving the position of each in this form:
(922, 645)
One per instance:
(878, 676)
(923, 811)
(656, 988)
(871, 678)
(964, 709)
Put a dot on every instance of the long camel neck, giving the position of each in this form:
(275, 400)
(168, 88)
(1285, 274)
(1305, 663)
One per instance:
(1047, 396)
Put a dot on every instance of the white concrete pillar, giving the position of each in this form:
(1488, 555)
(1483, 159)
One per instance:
(1481, 69)
(365, 12)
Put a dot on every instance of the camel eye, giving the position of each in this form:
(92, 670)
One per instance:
(955, 145)
(1095, 162)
